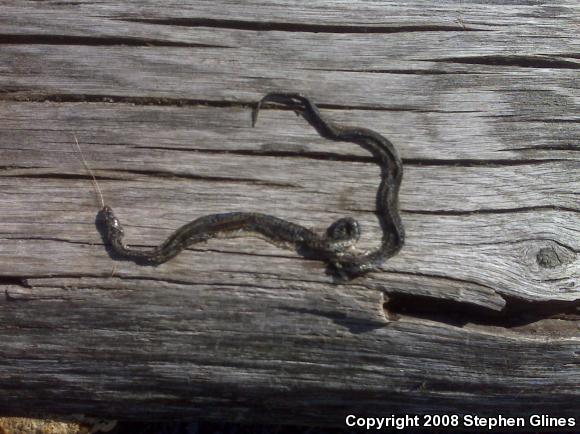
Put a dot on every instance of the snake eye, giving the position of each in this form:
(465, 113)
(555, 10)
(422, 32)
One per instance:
(344, 229)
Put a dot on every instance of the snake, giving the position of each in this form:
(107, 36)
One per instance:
(336, 246)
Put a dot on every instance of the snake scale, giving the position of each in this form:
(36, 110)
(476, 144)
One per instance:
(335, 246)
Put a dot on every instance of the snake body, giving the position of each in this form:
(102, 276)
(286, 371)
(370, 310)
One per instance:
(339, 236)
(336, 246)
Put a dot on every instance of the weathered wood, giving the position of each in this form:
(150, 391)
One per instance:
(478, 313)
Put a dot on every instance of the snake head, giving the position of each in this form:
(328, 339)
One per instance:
(111, 221)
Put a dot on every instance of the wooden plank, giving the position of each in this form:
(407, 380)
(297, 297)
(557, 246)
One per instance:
(444, 227)
(477, 313)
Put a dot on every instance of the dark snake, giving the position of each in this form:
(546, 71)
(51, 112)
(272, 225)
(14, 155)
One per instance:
(336, 246)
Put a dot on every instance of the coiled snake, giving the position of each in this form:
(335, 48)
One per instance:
(336, 246)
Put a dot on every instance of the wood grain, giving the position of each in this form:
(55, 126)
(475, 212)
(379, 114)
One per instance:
(479, 311)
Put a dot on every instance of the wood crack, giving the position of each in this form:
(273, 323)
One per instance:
(21, 94)
(518, 118)
(522, 209)
(24, 95)
(207, 178)
(574, 148)
(9, 280)
(529, 61)
(333, 156)
(106, 41)
(516, 313)
(311, 155)
(464, 162)
(274, 26)
(394, 71)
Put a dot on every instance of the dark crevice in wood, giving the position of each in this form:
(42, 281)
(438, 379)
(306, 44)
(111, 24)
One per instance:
(574, 148)
(14, 281)
(394, 71)
(523, 118)
(96, 41)
(400, 108)
(205, 178)
(522, 209)
(23, 95)
(512, 60)
(324, 156)
(516, 313)
(464, 162)
(265, 26)
(331, 156)
(547, 121)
